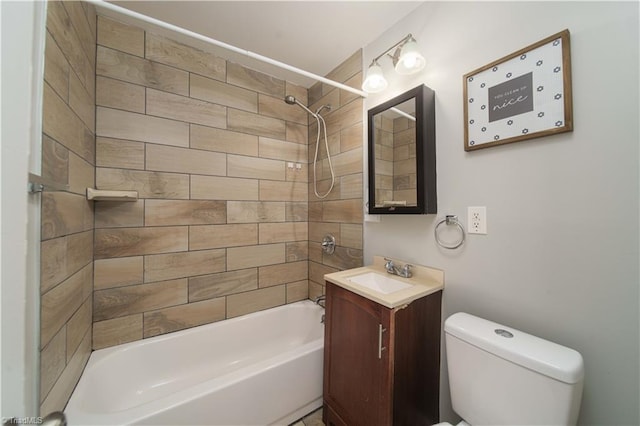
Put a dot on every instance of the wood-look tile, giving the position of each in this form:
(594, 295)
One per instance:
(62, 30)
(222, 93)
(297, 250)
(315, 252)
(60, 303)
(118, 272)
(184, 160)
(119, 36)
(78, 326)
(348, 211)
(315, 290)
(148, 184)
(315, 93)
(223, 188)
(317, 230)
(82, 102)
(53, 359)
(297, 133)
(297, 291)
(90, 13)
(252, 256)
(256, 300)
(281, 150)
(117, 124)
(347, 163)
(66, 383)
(283, 191)
(123, 301)
(315, 209)
(343, 258)
(222, 236)
(184, 212)
(81, 175)
(254, 80)
(177, 265)
(332, 99)
(119, 153)
(351, 186)
(255, 211)
(356, 83)
(55, 161)
(117, 331)
(299, 92)
(121, 242)
(351, 235)
(254, 124)
(60, 123)
(184, 316)
(317, 271)
(351, 138)
(62, 257)
(212, 139)
(183, 108)
(348, 68)
(222, 284)
(347, 116)
(256, 168)
(296, 212)
(64, 213)
(283, 273)
(297, 172)
(56, 68)
(86, 34)
(282, 232)
(132, 69)
(118, 94)
(271, 106)
(114, 214)
(170, 52)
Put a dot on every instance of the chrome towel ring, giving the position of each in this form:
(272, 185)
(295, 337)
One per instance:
(450, 220)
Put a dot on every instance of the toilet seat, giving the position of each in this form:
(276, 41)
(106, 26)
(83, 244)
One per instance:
(462, 423)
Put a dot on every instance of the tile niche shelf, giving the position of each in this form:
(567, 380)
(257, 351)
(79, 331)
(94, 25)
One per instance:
(110, 195)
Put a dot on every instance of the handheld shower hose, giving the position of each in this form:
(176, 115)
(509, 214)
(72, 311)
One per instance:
(291, 100)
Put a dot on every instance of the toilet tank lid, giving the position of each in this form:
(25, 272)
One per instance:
(534, 353)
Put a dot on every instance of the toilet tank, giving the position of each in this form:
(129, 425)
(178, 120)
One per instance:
(502, 376)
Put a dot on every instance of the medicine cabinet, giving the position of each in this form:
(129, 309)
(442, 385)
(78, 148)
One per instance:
(402, 154)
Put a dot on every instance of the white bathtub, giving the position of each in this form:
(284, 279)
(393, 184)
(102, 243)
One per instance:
(259, 369)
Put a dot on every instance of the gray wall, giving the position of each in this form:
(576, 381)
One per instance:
(561, 256)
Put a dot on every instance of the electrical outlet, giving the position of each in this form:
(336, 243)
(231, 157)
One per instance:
(477, 217)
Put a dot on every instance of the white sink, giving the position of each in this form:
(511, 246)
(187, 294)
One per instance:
(378, 282)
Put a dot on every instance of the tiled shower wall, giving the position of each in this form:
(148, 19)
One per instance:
(68, 152)
(341, 212)
(220, 165)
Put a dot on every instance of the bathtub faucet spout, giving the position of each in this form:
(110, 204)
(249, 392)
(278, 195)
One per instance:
(320, 300)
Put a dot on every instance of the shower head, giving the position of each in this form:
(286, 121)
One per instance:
(292, 100)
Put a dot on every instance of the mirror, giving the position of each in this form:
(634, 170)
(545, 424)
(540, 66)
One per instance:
(402, 154)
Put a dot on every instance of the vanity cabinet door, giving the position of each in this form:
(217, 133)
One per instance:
(357, 371)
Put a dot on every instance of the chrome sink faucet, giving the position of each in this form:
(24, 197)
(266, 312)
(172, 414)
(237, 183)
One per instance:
(391, 268)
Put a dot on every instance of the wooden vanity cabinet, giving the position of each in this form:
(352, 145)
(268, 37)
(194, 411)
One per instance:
(381, 365)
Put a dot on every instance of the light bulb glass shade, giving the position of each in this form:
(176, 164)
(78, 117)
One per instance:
(375, 81)
(410, 60)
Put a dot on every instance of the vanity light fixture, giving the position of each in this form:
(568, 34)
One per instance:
(406, 60)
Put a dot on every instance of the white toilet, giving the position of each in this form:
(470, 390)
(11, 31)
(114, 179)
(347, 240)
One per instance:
(502, 376)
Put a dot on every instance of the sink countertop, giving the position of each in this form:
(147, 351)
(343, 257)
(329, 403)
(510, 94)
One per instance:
(424, 282)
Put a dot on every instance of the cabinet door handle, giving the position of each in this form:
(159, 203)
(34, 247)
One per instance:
(380, 347)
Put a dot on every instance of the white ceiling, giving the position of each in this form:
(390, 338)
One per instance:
(315, 36)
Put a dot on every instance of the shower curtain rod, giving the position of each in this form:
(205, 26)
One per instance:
(139, 16)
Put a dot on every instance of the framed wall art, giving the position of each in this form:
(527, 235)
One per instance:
(524, 95)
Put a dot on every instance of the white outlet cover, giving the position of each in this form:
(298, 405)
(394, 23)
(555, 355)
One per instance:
(477, 220)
